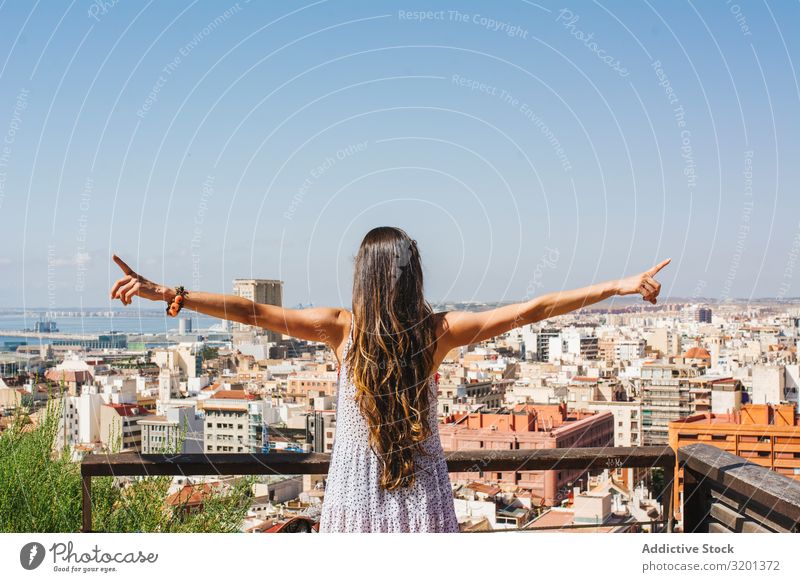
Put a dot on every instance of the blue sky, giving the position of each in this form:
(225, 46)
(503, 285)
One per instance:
(528, 147)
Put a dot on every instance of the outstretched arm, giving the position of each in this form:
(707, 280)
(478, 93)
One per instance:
(321, 324)
(463, 327)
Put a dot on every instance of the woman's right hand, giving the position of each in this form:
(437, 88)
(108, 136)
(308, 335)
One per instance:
(134, 284)
(643, 283)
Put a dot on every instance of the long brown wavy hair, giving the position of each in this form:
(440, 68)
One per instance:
(390, 360)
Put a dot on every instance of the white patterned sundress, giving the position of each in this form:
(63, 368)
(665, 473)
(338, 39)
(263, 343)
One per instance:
(354, 500)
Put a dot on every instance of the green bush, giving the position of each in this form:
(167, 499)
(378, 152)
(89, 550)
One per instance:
(40, 489)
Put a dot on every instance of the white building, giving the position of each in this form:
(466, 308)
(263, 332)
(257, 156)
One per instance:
(629, 349)
(627, 420)
(80, 420)
(161, 433)
(768, 384)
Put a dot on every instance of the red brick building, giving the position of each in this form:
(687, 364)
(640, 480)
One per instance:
(528, 426)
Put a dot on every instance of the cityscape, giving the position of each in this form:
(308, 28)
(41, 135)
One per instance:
(596, 201)
(615, 375)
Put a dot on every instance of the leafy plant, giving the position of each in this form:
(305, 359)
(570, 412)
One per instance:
(40, 487)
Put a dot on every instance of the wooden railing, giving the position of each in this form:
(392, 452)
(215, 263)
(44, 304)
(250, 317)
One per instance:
(726, 493)
(580, 459)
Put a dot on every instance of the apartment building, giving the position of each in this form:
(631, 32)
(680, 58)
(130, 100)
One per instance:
(527, 426)
(80, 420)
(665, 397)
(305, 385)
(227, 422)
(119, 427)
(161, 433)
(627, 420)
(626, 350)
(184, 359)
(764, 434)
(467, 396)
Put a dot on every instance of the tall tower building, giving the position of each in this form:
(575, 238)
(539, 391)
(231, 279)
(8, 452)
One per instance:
(267, 291)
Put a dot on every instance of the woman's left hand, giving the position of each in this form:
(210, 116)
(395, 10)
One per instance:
(134, 284)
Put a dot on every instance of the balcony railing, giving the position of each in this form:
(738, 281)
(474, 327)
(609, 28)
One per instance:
(722, 491)
(576, 459)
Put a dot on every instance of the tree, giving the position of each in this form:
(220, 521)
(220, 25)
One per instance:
(209, 353)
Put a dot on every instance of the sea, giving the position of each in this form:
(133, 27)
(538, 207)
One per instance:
(96, 323)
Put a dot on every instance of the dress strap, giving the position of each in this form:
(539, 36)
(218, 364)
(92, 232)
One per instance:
(349, 337)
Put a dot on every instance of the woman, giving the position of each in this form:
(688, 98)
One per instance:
(388, 472)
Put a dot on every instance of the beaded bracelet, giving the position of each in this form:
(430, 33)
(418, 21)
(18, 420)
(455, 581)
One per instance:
(177, 302)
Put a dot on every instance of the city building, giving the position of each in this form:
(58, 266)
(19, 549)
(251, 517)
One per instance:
(119, 427)
(80, 420)
(108, 341)
(184, 359)
(307, 385)
(765, 434)
(228, 423)
(665, 397)
(629, 349)
(527, 427)
(161, 433)
(702, 315)
(769, 383)
(321, 430)
(468, 396)
(627, 420)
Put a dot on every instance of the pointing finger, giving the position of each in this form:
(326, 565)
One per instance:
(123, 265)
(658, 267)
